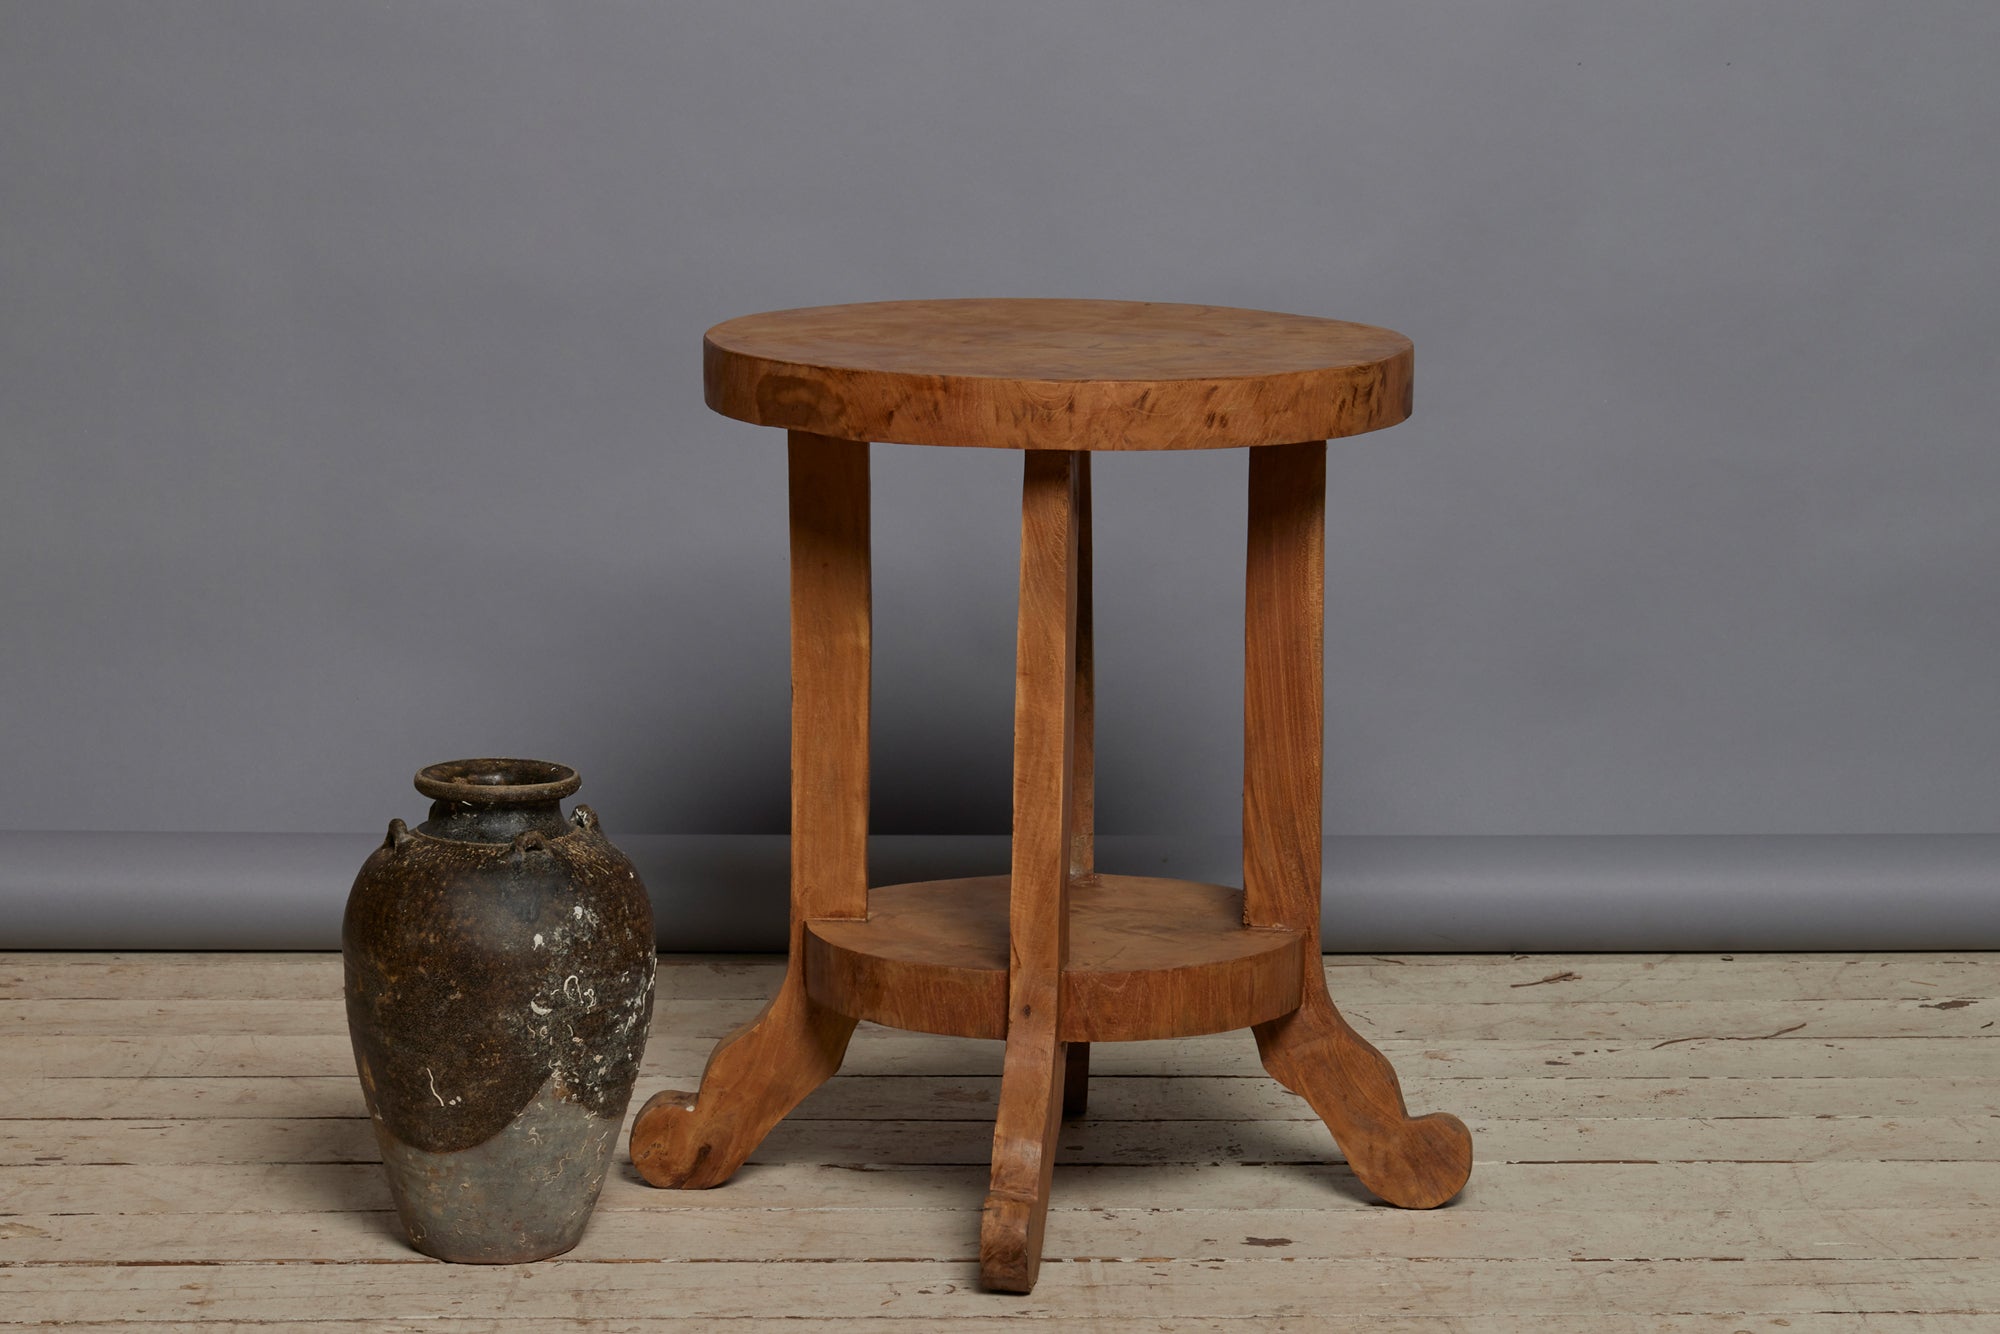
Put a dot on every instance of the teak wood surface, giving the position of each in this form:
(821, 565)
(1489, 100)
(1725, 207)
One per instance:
(1055, 374)
(759, 1072)
(1148, 958)
(1055, 955)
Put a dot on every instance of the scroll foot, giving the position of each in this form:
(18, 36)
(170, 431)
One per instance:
(1414, 1162)
(1024, 1156)
(755, 1076)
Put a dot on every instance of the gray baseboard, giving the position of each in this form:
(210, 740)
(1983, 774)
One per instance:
(127, 891)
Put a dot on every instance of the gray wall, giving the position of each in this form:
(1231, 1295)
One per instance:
(351, 415)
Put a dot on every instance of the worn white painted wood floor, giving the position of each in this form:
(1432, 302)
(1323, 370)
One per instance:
(1769, 1143)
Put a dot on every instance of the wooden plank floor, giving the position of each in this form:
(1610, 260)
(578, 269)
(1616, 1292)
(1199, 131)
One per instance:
(1800, 1143)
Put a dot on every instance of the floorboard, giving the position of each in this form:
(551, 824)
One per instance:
(1806, 1144)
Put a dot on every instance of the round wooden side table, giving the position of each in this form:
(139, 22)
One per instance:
(1054, 956)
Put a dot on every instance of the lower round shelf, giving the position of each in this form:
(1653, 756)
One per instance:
(1147, 959)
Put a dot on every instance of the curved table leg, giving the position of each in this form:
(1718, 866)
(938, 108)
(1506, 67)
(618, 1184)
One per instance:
(1024, 1157)
(754, 1077)
(1413, 1162)
(1031, 1080)
(1416, 1162)
(760, 1072)
(1083, 769)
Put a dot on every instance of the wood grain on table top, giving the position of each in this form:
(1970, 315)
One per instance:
(1018, 373)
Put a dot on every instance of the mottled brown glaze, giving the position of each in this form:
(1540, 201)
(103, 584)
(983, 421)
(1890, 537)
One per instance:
(1018, 373)
(499, 969)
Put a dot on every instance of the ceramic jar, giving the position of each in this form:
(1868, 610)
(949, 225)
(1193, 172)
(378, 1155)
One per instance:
(499, 965)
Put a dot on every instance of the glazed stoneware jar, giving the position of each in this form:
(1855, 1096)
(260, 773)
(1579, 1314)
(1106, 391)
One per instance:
(499, 962)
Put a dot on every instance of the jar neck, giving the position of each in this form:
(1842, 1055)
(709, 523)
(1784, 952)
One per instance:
(496, 800)
(476, 822)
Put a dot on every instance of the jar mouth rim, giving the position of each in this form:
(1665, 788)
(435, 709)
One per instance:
(497, 782)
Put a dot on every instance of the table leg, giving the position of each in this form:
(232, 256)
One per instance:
(1415, 1162)
(1031, 1081)
(760, 1072)
(1083, 768)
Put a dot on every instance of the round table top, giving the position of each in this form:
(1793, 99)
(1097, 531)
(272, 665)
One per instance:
(1057, 374)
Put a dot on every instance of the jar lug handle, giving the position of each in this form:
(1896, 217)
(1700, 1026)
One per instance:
(527, 841)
